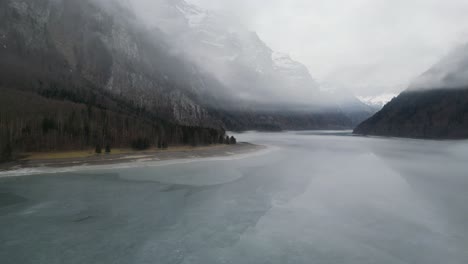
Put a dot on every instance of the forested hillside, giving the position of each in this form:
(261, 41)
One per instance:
(31, 122)
(438, 114)
(73, 76)
(434, 106)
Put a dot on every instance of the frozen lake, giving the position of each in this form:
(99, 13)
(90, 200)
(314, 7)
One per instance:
(314, 197)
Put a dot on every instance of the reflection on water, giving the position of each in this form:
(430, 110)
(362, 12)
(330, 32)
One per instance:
(319, 197)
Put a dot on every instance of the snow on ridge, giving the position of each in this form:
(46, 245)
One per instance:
(379, 100)
(282, 60)
(213, 44)
(296, 71)
(193, 14)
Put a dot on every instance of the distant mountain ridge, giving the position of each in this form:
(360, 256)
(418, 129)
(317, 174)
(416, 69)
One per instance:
(434, 106)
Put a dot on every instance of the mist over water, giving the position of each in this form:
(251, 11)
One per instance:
(316, 197)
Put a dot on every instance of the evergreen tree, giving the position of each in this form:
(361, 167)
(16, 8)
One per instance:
(232, 140)
(7, 152)
(98, 149)
(165, 145)
(141, 143)
(195, 139)
(226, 140)
(160, 144)
(48, 124)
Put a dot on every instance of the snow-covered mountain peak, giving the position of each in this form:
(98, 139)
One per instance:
(377, 101)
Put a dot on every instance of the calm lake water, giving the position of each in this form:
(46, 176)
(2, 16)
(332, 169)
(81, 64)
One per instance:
(313, 197)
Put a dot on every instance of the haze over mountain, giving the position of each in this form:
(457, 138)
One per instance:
(160, 72)
(236, 56)
(450, 72)
(166, 131)
(434, 106)
(104, 71)
(259, 79)
(366, 46)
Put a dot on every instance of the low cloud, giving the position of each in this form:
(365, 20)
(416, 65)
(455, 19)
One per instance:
(450, 72)
(371, 46)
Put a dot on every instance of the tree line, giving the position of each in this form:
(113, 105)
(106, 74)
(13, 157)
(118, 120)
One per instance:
(30, 122)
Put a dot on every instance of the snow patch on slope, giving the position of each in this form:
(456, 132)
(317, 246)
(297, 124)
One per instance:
(377, 101)
(283, 61)
(192, 14)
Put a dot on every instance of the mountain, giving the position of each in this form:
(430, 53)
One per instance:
(84, 44)
(235, 56)
(75, 74)
(257, 78)
(434, 106)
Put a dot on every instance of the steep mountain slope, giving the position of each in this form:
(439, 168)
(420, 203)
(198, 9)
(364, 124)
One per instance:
(434, 106)
(77, 43)
(108, 80)
(258, 78)
(247, 67)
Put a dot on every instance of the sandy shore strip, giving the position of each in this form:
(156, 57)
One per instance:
(72, 161)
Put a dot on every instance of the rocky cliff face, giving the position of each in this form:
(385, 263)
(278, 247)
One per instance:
(81, 44)
(434, 106)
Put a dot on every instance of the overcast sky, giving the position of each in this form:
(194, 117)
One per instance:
(367, 46)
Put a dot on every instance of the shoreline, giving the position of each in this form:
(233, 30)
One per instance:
(153, 157)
